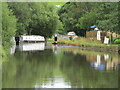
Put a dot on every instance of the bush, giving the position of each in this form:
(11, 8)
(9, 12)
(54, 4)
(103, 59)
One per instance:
(117, 41)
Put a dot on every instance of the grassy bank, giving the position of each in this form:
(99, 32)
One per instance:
(90, 44)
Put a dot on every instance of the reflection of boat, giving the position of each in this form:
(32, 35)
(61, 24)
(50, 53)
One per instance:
(12, 49)
(31, 46)
(57, 83)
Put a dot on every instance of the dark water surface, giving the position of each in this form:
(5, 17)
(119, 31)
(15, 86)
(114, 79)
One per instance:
(40, 66)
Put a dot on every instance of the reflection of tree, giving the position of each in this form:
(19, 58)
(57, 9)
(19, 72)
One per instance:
(24, 69)
(80, 74)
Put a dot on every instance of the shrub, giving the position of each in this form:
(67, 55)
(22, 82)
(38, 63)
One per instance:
(117, 41)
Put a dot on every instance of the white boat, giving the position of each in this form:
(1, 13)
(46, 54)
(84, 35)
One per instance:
(34, 38)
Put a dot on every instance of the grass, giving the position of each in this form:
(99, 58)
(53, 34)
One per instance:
(88, 43)
(49, 39)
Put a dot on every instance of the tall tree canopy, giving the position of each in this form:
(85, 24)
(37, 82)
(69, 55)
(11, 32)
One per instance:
(108, 16)
(35, 18)
(79, 16)
(8, 25)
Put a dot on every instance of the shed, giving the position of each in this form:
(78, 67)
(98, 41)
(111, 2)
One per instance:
(97, 35)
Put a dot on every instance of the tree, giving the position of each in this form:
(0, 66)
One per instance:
(60, 28)
(108, 16)
(8, 26)
(79, 16)
(72, 16)
(35, 18)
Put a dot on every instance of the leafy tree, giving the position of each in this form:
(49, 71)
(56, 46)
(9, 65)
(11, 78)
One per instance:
(79, 16)
(35, 18)
(87, 20)
(23, 15)
(108, 16)
(60, 28)
(70, 15)
(8, 25)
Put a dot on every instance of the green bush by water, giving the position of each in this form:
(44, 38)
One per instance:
(117, 41)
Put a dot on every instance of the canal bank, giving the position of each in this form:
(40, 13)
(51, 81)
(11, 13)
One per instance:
(92, 46)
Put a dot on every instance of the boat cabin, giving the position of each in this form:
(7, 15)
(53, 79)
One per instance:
(34, 38)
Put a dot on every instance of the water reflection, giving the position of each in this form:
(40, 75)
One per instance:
(105, 62)
(79, 72)
(57, 83)
(98, 60)
(60, 67)
(24, 69)
(55, 49)
(12, 49)
(31, 46)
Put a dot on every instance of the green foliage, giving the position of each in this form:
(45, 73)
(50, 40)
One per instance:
(88, 20)
(108, 16)
(60, 28)
(8, 26)
(35, 18)
(72, 14)
(79, 16)
(0, 24)
(117, 41)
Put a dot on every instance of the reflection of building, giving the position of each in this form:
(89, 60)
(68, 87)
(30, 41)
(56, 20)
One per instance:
(112, 63)
(99, 63)
(31, 46)
(102, 62)
(106, 61)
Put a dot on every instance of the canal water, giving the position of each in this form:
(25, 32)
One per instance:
(38, 65)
